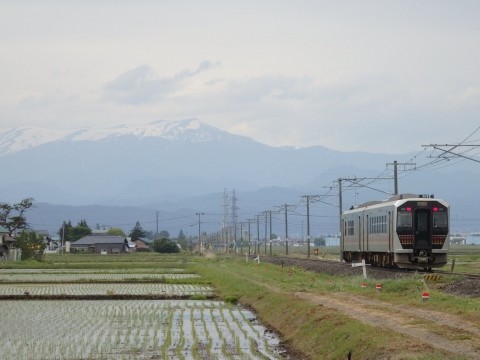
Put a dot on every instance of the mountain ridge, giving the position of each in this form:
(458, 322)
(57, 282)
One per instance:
(186, 165)
(13, 140)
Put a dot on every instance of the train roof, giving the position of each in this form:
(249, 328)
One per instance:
(392, 199)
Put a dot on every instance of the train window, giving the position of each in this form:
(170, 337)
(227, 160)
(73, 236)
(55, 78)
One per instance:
(404, 219)
(440, 220)
(350, 227)
(378, 224)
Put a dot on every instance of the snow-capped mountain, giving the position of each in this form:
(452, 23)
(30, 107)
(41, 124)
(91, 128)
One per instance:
(170, 166)
(160, 160)
(15, 140)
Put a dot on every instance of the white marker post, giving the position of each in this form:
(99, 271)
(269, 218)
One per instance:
(362, 264)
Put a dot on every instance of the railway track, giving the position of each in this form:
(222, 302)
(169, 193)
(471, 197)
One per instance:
(462, 284)
(466, 275)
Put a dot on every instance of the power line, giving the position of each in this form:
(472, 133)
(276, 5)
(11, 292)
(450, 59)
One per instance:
(451, 151)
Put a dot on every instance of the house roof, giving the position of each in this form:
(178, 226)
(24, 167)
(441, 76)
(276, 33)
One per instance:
(145, 240)
(99, 239)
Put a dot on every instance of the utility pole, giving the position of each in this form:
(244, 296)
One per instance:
(249, 238)
(157, 224)
(234, 218)
(308, 197)
(340, 203)
(225, 220)
(266, 223)
(395, 173)
(257, 245)
(286, 227)
(199, 233)
(354, 181)
(241, 237)
(270, 237)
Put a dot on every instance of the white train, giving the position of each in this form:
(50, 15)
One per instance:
(408, 231)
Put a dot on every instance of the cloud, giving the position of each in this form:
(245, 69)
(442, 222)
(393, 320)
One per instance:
(469, 96)
(274, 87)
(142, 85)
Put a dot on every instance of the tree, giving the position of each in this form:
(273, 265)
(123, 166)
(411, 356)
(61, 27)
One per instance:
(182, 240)
(81, 230)
(181, 235)
(12, 217)
(165, 246)
(116, 232)
(319, 241)
(137, 232)
(149, 234)
(32, 245)
(65, 231)
(68, 232)
(164, 234)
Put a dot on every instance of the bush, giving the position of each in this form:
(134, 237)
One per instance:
(165, 246)
(32, 245)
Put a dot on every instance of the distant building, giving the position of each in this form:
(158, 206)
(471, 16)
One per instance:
(8, 245)
(109, 244)
(143, 244)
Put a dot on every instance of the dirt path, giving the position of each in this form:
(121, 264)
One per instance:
(439, 330)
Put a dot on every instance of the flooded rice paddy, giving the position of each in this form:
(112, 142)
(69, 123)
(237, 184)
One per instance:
(124, 329)
(145, 329)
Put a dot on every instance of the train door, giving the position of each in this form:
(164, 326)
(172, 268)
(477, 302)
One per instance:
(390, 231)
(422, 229)
(343, 232)
(365, 235)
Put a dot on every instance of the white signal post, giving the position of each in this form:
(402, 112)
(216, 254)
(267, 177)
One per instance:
(363, 265)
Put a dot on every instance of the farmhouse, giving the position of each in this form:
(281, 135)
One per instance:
(109, 244)
(143, 244)
(8, 245)
(5, 238)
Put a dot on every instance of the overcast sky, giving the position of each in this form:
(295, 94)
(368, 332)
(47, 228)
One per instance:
(380, 76)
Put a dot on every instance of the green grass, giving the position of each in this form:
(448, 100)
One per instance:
(464, 258)
(102, 262)
(319, 332)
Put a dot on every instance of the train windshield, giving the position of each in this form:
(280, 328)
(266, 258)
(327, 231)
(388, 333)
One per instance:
(404, 219)
(440, 220)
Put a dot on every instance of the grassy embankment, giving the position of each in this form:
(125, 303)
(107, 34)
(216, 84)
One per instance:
(322, 333)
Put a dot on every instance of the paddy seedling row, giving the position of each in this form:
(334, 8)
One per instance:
(140, 329)
(92, 277)
(90, 289)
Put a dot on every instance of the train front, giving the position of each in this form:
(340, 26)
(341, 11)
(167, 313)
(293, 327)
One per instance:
(422, 229)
